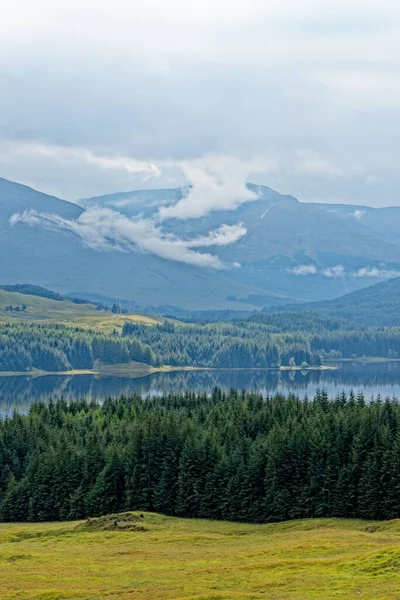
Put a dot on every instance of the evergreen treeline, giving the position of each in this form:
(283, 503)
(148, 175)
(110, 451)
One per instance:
(232, 456)
(246, 344)
(224, 345)
(56, 348)
(264, 341)
(384, 342)
(307, 321)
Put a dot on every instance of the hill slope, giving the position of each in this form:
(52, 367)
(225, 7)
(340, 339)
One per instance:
(376, 305)
(284, 235)
(292, 251)
(209, 560)
(57, 260)
(49, 311)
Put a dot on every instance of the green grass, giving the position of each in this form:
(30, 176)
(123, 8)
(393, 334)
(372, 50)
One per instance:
(201, 560)
(46, 311)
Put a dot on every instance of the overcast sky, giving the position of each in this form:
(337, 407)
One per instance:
(102, 96)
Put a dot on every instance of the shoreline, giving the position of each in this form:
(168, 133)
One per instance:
(129, 371)
(363, 360)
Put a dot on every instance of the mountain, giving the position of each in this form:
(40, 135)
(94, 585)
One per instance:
(143, 202)
(374, 306)
(55, 259)
(298, 249)
(15, 198)
(293, 251)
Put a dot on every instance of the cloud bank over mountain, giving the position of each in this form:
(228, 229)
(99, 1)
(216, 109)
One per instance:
(105, 230)
(124, 93)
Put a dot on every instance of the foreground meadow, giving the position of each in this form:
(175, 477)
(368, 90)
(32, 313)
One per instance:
(201, 560)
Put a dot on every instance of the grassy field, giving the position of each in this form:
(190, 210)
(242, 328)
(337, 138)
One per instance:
(201, 560)
(44, 310)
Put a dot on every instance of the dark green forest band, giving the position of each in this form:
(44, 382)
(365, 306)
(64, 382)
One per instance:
(233, 456)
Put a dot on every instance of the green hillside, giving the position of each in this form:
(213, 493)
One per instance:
(66, 312)
(266, 340)
(376, 305)
(169, 558)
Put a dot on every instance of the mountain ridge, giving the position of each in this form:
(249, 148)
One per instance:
(375, 305)
(292, 251)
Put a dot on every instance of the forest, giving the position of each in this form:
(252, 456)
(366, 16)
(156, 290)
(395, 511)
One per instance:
(263, 341)
(233, 456)
(377, 305)
(57, 348)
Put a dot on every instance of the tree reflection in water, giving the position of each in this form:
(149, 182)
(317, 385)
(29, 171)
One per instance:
(17, 393)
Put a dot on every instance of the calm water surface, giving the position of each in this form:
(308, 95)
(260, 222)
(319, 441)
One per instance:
(373, 379)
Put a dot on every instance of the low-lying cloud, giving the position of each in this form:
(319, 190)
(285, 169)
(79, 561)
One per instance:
(303, 270)
(357, 214)
(333, 272)
(339, 272)
(374, 272)
(336, 272)
(217, 183)
(103, 229)
(223, 236)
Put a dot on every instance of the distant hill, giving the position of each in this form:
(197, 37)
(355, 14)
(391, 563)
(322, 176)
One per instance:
(377, 305)
(22, 307)
(40, 306)
(57, 260)
(293, 251)
(36, 290)
(32, 290)
(291, 247)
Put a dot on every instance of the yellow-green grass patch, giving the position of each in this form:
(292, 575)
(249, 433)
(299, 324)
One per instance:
(203, 560)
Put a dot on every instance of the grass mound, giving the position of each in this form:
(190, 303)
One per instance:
(385, 562)
(128, 521)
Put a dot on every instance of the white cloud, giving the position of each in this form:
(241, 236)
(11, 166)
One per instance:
(374, 272)
(122, 163)
(105, 230)
(303, 270)
(168, 80)
(357, 214)
(11, 150)
(335, 272)
(179, 27)
(223, 236)
(338, 271)
(218, 183)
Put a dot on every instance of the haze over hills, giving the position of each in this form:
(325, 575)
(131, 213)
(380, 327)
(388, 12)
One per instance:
(287, 250)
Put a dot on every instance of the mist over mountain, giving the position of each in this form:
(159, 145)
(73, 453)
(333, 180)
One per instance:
(298, 249)
(56, 258)
(270, 250)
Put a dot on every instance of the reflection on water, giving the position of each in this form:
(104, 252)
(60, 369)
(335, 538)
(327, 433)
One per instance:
(373, 379)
